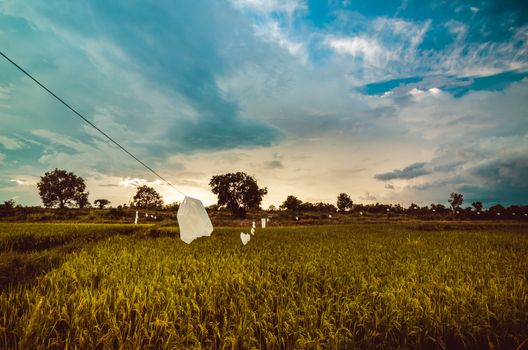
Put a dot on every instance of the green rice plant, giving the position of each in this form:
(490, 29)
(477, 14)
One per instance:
(340, 287)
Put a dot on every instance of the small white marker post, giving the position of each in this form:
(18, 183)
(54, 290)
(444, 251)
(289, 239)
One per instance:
(263, 222)
(137, 216)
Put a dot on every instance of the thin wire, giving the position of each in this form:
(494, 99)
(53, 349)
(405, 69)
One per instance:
(90, 123)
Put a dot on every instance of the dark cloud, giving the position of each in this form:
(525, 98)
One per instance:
(158, 75)
(512, 171)
(223, 132)
(274, 164)
(389, 186)
(499, 180)
(409, 172)
(368, 197)
(449, 166)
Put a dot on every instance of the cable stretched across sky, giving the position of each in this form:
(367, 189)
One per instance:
(90, 123)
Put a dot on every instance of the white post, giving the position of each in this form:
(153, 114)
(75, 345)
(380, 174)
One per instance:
(137, 216)
(263, 222)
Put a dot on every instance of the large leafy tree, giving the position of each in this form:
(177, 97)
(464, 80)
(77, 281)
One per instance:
(238, 192)
(456, 200)
(59, 188)
(101, 203)
(147, 198)
(291, 203)
(477, 205)
(82, 200)
(344, 202)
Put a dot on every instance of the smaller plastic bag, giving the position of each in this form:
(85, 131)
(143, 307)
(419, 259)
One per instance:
(245, 237)
(193, 220)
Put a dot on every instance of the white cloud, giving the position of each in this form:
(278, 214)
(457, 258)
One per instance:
(269, 6)
(435, 91)
(10, 143)
(373, 53)
(416, 92)
(389, 48)
(385, 48)
(25, 180)
(410, 34)
(5, 91)
(60, 139)
(132, 182)
(457, 28)
(441, 117)
(271, 31)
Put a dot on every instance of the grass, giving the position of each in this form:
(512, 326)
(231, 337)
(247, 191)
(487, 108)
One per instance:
(356, 286)
(29, 250)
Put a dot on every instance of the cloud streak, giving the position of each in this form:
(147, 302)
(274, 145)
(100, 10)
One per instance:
(409, 172)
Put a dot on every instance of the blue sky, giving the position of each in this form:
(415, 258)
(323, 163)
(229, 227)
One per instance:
(401, 102)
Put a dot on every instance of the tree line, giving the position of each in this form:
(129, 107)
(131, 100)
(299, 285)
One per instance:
(239, 193)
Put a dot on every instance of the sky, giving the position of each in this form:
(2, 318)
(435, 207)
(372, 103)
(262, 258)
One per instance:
(393, 102)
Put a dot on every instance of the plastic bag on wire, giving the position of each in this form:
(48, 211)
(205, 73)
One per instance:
(193, 220)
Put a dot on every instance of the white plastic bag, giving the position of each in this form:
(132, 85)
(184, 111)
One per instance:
(193, 220)
(244, 237)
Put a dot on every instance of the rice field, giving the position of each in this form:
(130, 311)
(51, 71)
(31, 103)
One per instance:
(382, 286)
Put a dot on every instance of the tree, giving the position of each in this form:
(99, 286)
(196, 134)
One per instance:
(101, 203)
(496, 209)
(291, 203)
(438, 208)
(477, 205)
(344, 202)
(238, 192)
(456, 200)
(82, 200)
(147, 198)
(306, 206)
(172, 206)
(63, 189)
(324, 207)
(9, 204)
